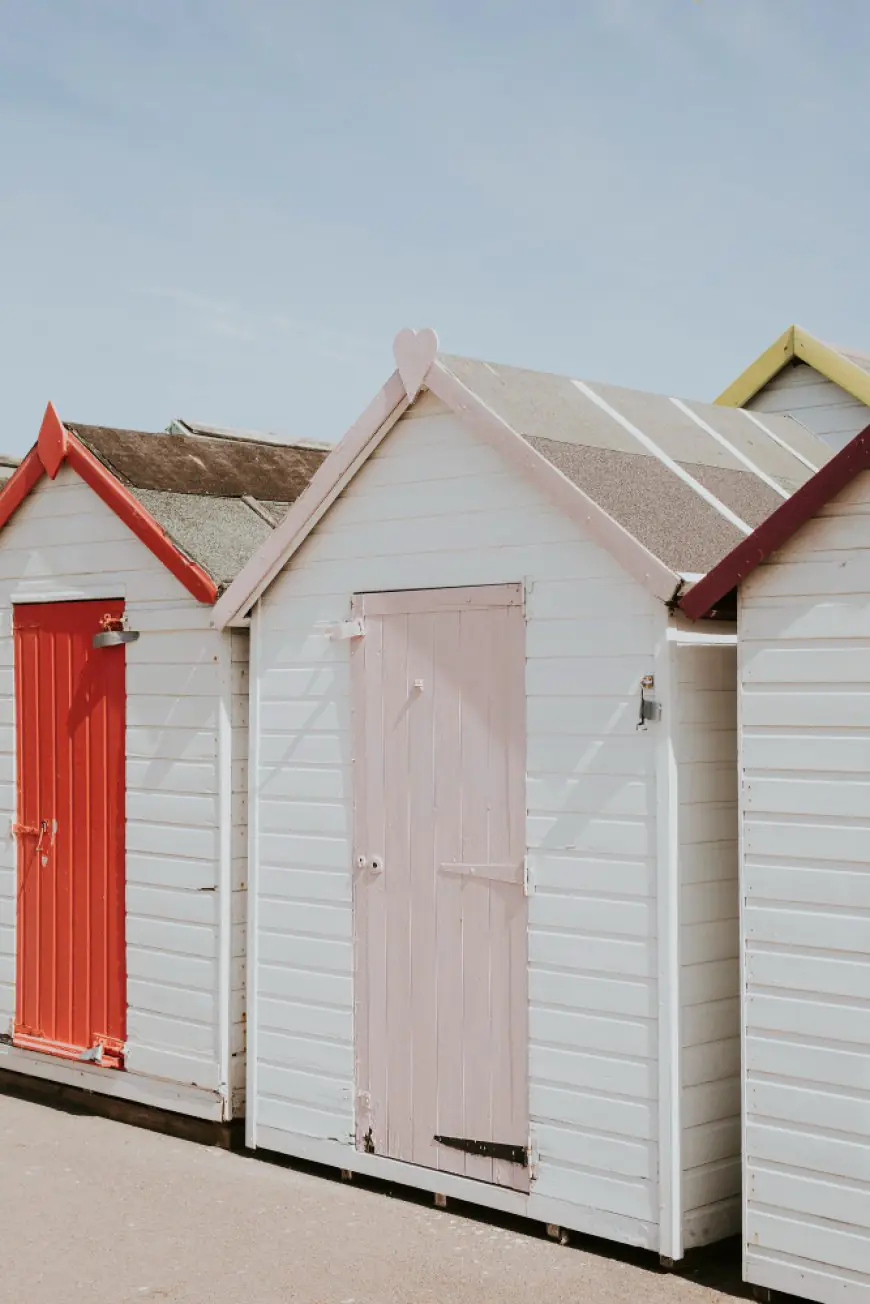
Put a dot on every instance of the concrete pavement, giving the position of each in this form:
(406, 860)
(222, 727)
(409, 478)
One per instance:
(97, 1212)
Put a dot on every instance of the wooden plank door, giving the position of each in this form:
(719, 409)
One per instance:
(441, 988)
(70, 706)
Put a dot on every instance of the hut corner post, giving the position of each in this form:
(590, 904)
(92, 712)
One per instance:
(225, 872)
(668, 953)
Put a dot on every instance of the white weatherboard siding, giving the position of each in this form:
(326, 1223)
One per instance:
(63, 542)
(706, 748)
(434, 507)
(240, 642)
(823, 407)
(805, 686)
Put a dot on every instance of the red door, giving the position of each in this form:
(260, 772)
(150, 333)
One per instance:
(70, 718)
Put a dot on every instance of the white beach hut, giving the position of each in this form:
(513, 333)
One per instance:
(803, 581)
(493, 933)
(122, 744)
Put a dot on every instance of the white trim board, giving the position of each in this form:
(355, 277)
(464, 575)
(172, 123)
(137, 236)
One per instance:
(335, 1154)
(193, 1102)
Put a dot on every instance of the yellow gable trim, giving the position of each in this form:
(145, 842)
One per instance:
(759, 372)
(841, 370)
(797, 343)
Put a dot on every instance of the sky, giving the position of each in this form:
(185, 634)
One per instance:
(224, 210)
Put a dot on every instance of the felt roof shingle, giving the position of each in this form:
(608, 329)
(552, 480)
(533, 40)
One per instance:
(642, 456)
(195, 487)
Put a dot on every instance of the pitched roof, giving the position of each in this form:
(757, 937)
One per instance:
(669, 486)
(182, 426)
(848, 368)
(776, 531)
(204, 505)
(583, 428)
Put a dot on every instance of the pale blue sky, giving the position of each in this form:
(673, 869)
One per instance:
(225, 209)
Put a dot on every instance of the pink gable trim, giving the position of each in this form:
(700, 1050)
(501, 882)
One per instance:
(652, 573)
(326, 484)
(363, 438)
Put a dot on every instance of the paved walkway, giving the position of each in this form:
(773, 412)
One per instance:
(96, 1212)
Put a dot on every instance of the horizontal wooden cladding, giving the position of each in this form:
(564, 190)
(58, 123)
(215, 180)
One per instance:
(802, 1193)
(564, 1067)
(798, 1061)
(802, 972)
(845, 751)
(833, 664)
(615, 1155)
(593, 992)
(593, 1112)
(798, 710)
(808, 1019)
(459, 599)
(824, 797)
(826, 618)
(847, 1249)
(811, 927)
(810, 1106)
(807, 838)
(808, 884)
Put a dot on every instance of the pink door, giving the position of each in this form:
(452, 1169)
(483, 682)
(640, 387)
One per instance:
(441, 993)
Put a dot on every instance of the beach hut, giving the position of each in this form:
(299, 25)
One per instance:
(122, 744)
(824, 386)
(803, 585)
(493, 931)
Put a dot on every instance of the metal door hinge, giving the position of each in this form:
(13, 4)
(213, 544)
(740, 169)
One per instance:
(487, 1149)
(528, 882)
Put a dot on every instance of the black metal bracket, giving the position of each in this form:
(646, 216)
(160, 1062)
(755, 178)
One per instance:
(487, 1149)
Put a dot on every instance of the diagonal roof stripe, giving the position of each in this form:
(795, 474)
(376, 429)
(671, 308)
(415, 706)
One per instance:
(777, 439)
(652, 447)
(732, 448)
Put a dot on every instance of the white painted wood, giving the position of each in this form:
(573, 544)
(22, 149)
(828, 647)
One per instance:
(818, 403)
(185, 980)
(593, 850)
(709, 939)
(805, 820)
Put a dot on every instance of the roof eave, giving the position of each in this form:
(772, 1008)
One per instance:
(56, 445)
(773, 533)
(363, 438)
(796, 343)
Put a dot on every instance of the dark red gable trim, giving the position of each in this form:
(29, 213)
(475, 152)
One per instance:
(54, 446)
(827, 482)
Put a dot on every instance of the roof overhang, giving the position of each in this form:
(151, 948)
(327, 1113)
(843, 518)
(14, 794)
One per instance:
(55, 446)
(796, 344)
(418, 368)
(776, 531)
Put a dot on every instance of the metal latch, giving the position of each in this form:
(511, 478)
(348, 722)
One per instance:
(347, 629)
(487, 1149)
(649, 709)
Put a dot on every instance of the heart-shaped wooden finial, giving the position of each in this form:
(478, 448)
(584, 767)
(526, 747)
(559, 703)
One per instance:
(52, 442)
(414, 352)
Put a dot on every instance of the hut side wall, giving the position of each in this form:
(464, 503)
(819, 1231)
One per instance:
(823, 407)
(435, 507)
(805, 703)
(706, 751)
(240, 644)
(65, 541)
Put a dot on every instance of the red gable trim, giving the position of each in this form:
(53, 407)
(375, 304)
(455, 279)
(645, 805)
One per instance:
(702, 597)
(54, 446)
(27, 474)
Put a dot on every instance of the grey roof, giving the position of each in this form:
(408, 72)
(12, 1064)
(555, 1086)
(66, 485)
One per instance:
(646, 476)
(182, 426)
(213, 496)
